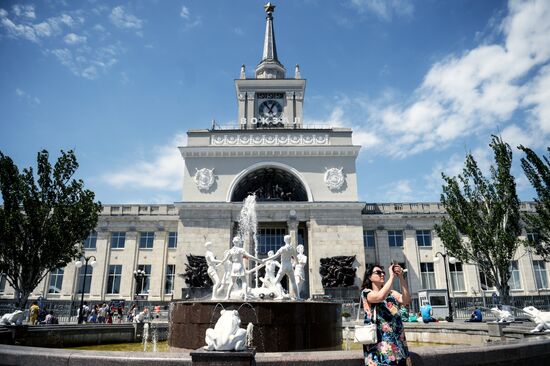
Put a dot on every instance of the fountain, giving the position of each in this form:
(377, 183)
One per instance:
(281, 321)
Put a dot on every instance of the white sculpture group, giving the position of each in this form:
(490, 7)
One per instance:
(227, 334)
(542, 318)
(292, 264)
(502, 315)
(15, 318)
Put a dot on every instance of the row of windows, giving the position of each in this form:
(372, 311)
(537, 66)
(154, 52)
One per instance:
(395, 238)
(113, 280)
(457, 276)
(423, 238)
(118, 240)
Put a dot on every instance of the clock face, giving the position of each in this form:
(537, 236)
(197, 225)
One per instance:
(270, 109)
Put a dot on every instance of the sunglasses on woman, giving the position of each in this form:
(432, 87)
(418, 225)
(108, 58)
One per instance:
(380, 273)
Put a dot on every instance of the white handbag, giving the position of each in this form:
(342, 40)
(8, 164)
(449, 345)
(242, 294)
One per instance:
(366, 334)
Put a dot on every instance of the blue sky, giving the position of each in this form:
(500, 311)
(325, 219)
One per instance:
(421, 83)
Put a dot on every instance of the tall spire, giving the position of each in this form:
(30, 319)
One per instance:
(270, 67)
(270, 48)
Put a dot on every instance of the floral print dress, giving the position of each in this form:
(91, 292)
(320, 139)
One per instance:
(391, 348)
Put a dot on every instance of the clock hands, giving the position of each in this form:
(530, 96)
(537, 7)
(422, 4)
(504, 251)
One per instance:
(270, 109)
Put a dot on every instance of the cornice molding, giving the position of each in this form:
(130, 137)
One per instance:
(267, 151)
(265, 206)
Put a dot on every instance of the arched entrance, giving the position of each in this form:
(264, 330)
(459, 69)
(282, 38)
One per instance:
(269, 183)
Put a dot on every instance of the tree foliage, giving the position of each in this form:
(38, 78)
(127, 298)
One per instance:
(538, 173)
(483, 221)
(43, 221)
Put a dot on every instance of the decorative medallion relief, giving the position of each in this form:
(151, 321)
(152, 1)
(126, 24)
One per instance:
(271, 139)
(204, 178)
(334, 178)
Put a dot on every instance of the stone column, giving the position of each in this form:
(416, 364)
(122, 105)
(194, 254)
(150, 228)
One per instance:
(292, 224)
(289, 108)
(410, 249)
(382, 246)
(250, 110)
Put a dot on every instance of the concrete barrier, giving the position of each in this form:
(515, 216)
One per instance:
(517, 353)
(59, 336)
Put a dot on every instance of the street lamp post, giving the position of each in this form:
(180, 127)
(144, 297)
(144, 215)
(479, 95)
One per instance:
(139, 275)
(78, 264)
(452, 260)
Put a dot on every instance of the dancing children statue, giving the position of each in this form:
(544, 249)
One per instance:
(268, 281)
(235, 255)
(299, 268)
(211, 262)
(286, 252)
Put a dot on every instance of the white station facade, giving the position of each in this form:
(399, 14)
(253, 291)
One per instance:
(304, 178)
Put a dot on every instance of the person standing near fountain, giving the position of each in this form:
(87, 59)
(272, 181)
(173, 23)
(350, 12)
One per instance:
(235, 255)
(211, 261)
(377, 294)
(286, 252)
(299, 268)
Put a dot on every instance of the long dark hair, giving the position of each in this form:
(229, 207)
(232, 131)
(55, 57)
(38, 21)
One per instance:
(367, 283)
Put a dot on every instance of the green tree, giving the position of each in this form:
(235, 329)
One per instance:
(483, 221)
(43, 220)
(538, 173)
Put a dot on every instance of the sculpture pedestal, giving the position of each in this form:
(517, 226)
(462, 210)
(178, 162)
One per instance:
(223, 358)
(496, 329)
(279, 326)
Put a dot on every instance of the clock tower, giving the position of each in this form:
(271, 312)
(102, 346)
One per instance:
(270, 100)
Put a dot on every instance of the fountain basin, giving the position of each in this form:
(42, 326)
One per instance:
(520, 353)
(279, 326)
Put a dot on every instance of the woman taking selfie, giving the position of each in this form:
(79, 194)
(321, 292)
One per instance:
(377, 294)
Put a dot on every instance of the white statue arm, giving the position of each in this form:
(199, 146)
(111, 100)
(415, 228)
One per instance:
(278, 254)
(250, 256)
(223, 260)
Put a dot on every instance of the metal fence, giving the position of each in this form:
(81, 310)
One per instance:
(66, 311)
(464, 306)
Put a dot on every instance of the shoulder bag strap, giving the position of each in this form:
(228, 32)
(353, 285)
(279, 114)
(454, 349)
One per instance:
(373, 311)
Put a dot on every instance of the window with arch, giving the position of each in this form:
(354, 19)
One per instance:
(270, 184)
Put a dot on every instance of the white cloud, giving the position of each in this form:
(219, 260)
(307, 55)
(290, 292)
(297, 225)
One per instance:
(87, 62)
(32, 100)
(366, 139)
(184, 13)
(26, 11)
(18, 30)
(538, 99)
(66, 19)
(43, 29)
(514, 135)
(25, 29)
(74, 39)
(400, 191)
(123, 20)
(468, 94)
(385, 9)
(164, 170)
(190, 20)
(454, 166)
